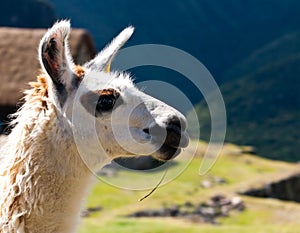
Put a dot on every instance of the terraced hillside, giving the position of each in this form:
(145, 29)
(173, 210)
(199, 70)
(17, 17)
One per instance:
(238, 170)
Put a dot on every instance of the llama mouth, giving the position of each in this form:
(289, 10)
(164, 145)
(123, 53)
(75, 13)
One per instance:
(166, 153)
(171, 139)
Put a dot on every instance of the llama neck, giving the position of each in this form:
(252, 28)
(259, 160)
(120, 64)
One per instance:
(44, 179)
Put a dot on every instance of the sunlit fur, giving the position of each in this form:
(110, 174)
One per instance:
(28, 165)
(43, 179)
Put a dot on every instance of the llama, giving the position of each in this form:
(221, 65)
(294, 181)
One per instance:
(43, 178)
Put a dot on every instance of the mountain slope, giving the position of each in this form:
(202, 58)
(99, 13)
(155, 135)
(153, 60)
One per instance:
(278, 50)
(239, 171)
(26, 13)
(219, 33)
(263, 105)
(266, 114)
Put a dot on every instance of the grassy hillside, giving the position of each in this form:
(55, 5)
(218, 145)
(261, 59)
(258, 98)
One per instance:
(239, 170)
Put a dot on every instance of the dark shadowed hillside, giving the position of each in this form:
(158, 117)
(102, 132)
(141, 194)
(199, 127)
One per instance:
(263, 102)
(219, 33)
(277, 51)
(26, 13)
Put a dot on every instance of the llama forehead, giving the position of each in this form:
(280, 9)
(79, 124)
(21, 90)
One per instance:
(116, 85)
(101, 80)
(96, 82)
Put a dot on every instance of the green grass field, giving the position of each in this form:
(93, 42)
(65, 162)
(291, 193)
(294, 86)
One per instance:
(241, 171)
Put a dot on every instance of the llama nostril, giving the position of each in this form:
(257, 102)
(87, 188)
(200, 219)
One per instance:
(147, 131)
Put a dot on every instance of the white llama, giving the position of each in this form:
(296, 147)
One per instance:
(43, 178)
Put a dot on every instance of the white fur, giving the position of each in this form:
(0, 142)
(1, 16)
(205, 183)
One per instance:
(43, 178)
(108, 53)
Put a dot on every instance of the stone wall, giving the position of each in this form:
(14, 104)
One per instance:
(287, 189)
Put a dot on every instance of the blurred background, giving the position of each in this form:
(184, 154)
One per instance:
(252, 49)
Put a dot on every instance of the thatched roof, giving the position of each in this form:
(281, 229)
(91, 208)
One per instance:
(19, 60)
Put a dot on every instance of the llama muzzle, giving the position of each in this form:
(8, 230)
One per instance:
(172, 138)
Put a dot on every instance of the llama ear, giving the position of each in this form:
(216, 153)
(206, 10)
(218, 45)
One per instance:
(103, 60)
(55, 57)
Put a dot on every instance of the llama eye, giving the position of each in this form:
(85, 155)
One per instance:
(107, 100)
(105, 103)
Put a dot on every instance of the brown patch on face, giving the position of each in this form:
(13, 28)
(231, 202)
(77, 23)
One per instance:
(79, 71)
(108, 92)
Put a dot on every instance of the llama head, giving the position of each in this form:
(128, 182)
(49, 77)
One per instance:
(127, 121)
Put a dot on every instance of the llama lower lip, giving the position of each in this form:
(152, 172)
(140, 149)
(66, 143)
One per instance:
(167, 152)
